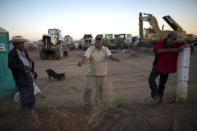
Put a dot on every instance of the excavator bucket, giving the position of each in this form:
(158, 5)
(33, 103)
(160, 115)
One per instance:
(175, 26)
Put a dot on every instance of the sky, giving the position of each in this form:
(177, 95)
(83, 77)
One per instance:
(32, 18)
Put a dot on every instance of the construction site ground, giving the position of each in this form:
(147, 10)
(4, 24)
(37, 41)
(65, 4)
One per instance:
(129, 106)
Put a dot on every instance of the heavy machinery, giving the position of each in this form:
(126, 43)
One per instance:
(109, 41)
(87, 41)
(135, 39)
(122, 40)
(69, 41)
(148, 36)
(52, 44)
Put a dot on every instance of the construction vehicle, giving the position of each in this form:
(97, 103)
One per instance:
(122, 40)
(69, 41)
(52, 44)
(135, 39)
(87, 41)
(148, 36)
(109, 41)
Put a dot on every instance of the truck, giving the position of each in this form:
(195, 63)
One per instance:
(109, 41)
(122, 41)
(69, 41)
(86, 41)
(148, 36)
(52, 44)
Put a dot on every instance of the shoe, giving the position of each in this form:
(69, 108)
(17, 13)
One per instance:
(35, 115)
(156, 101)
(160, 99)
(154, 97)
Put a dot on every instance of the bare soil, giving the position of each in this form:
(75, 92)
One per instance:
(60, 107)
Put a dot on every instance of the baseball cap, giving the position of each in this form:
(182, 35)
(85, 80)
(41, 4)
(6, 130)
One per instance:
(173, 35)
(98, 37)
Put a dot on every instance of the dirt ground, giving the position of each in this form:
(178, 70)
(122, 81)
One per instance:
(60, 107)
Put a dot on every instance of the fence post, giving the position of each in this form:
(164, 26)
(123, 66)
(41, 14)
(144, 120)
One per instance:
(183, 75)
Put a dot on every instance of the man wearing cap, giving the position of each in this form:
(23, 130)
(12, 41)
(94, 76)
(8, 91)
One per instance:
(22, 68)
(97, 55)
(165, 62)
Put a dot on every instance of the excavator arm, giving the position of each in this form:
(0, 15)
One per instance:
(151, 20)
(154, 33)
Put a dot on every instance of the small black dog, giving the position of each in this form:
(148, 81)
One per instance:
(53, 74)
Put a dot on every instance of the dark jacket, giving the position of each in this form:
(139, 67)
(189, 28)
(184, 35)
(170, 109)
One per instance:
(20, 73)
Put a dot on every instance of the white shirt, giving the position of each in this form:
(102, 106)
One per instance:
(98, 60)
(23, 58)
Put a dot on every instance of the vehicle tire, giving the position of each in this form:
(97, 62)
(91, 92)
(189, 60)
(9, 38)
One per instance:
(66, 52)
(43, 55)
(59, 53)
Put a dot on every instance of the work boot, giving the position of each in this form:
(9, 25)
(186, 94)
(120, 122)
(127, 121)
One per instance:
(154, 97)
(160, 99)
(157, 100)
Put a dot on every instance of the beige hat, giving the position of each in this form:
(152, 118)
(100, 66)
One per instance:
(16, 39)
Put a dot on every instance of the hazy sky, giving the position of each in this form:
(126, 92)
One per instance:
(32, 18)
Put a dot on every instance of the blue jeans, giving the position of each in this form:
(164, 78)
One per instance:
(27, 97)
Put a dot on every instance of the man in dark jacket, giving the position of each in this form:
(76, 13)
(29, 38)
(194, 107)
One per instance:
(22, 68)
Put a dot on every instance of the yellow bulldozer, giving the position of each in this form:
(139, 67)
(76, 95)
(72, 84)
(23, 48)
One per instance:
(148, 36)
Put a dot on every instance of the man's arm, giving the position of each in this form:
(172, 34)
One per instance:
(185, 46)
(13, 64)
(83, 60)
(32, 69)
(85, 57)
(159, 51)
(111, 57)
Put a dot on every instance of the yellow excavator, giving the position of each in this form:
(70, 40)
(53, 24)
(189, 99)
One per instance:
(148, 36)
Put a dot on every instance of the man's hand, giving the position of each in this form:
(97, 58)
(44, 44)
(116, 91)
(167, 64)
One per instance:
(35, 75)
(175, 50)
(83, 60)
(184, 46)
(27, 69)
(113, 58)
(181, 40)
(79, 64)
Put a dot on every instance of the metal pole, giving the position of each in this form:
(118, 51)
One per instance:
(183, 75)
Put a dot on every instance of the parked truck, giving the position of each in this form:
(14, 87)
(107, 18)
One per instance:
(109, 41)
(52, 44)
(86, 41)
(122, 41)
(69, 41)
